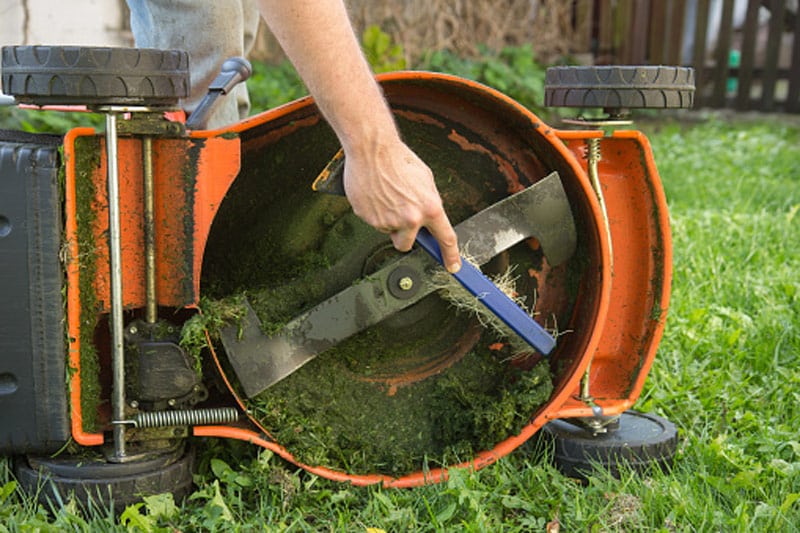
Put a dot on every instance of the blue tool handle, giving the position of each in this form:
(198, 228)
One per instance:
(493, 298)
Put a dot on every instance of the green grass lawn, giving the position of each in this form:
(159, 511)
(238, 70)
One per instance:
(727, 374)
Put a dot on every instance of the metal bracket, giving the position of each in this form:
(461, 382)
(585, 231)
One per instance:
(151, 122)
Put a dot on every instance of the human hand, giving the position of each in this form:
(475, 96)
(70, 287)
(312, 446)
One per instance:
(393, 190)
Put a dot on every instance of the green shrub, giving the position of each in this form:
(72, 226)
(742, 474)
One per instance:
(273, 85)
(513, 71)
(383, 54)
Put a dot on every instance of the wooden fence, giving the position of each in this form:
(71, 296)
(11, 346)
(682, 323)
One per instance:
(746, 53)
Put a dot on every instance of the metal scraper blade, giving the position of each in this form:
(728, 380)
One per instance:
(495, 300)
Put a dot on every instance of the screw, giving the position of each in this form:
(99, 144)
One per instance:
(133, 330)
(405, 283)
(171, 402)
(134, 404)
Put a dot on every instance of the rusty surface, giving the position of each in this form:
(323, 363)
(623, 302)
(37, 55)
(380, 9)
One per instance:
(191, 178)
(640, 286)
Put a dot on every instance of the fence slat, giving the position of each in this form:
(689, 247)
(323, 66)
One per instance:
(748, 56)
(699, 52)
(584, 13)
(675, 34)
(721, 55)
(623, 15)
(637, 52)
(605, 53)
(769, 80)
(793, 97)
(658, 47)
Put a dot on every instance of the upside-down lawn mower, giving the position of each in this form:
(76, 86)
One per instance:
(162, 282)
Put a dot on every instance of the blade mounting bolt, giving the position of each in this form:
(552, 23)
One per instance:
(406, 283)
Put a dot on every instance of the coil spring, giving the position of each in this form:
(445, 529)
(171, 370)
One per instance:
(593, 152)
(186, 417)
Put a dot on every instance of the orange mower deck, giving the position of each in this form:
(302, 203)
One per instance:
(613, 324)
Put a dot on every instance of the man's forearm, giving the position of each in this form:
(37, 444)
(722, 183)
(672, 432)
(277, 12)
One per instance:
(387, 184)
(318, 38)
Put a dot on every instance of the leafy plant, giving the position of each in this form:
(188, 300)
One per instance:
(383, 54)
(272, 85)
(513, 71)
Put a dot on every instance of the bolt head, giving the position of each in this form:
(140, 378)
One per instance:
(406, 283)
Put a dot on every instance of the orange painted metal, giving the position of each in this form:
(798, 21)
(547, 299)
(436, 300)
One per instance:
(73, 292)
(642, 271)
(627, 307)
(191, 177)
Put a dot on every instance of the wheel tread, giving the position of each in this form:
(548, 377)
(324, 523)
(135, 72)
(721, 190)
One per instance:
(45, 75)
(620, 87)
(649, 441)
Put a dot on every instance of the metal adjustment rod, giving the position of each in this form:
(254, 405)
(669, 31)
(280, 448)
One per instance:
(234, 71)
(115, 261)
(117, 325)
(151, 300)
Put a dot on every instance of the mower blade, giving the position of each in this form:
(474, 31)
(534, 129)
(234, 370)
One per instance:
(541, 210)
(260, 361)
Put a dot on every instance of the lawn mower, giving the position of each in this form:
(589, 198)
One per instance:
(163, 282)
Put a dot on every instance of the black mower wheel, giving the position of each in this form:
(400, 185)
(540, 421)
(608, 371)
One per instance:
(95, 76)
(641, 441)
(93, 482)
(620, 87)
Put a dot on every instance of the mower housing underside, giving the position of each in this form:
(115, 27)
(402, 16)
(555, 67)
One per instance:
(609, 317)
